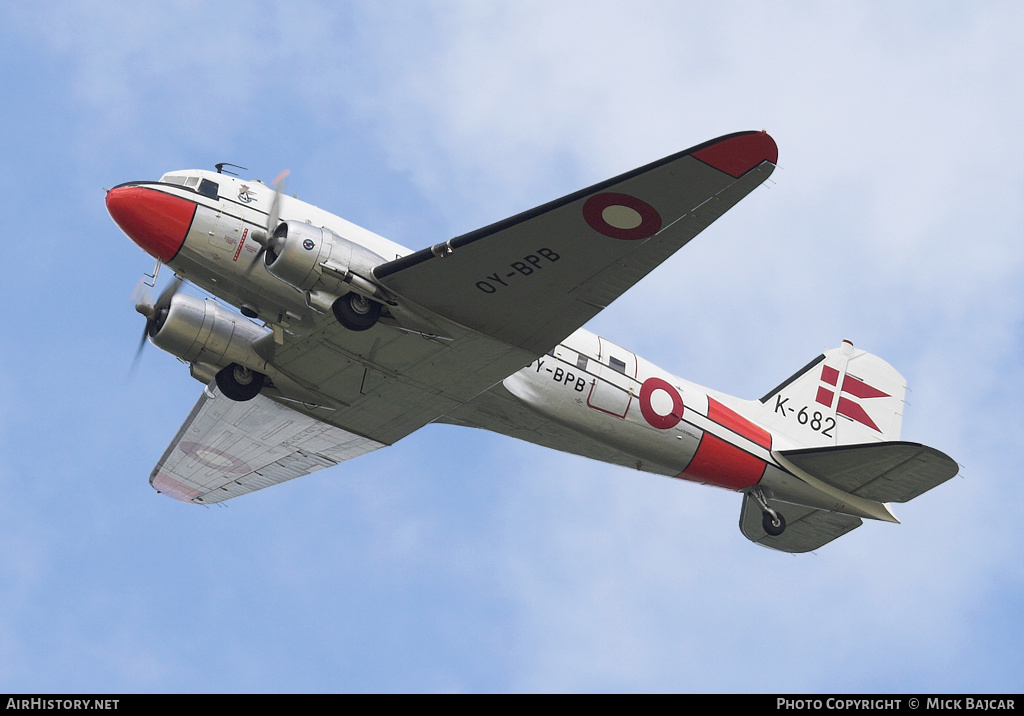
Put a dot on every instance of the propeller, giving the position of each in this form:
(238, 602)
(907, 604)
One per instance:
(155, 313)
(267, 237)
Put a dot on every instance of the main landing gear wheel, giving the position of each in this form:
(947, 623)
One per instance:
(239, 383)
(356, 312)
(773, 525)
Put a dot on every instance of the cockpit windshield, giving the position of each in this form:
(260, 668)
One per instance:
(203, 186)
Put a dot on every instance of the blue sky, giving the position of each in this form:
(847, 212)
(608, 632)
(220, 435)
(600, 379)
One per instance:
(462, 561)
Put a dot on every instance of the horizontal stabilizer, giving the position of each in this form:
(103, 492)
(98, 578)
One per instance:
(806, 528)
(883, 472)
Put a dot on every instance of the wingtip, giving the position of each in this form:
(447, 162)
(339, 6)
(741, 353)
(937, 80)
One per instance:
(166, 485)
(737, 154)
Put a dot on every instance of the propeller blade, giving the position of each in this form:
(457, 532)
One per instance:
(168, 293)
(266, 237)
(152, 312)
(137, 292)
(138, 351)
(275, 205)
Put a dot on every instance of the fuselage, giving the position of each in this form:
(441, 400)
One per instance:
(668, 425)
(202, 225)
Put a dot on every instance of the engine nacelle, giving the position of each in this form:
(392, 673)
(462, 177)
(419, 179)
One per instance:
(298, 252)
(198, 330)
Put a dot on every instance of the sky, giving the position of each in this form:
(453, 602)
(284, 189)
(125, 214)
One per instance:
(461, 561)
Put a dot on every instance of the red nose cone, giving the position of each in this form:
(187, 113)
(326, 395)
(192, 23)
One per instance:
(156, 221)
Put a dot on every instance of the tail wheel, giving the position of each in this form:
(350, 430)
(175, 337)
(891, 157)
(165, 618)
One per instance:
(773, 524)
(356, 312)
(239, 383)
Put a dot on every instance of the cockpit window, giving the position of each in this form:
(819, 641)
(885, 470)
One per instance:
(209, 188)
(196, 183)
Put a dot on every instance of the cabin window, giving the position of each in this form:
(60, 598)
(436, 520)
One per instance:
(208, 188)
(617, 365)
(581, 362)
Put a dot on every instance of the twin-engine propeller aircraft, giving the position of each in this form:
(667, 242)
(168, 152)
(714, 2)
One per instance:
(347, 342)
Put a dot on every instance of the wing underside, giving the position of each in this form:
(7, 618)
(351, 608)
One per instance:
(534, 278)
(226, 449)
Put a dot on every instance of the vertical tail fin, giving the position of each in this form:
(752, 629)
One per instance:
(844, 396)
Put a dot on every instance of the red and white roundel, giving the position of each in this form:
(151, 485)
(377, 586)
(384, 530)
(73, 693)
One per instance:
(212, 457)
(621, 216)
(653, 415)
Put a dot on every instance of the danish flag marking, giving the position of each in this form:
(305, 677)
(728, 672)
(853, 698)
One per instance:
(852, 387)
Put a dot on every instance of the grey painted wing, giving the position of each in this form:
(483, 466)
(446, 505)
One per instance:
(534, 278)
(225, 449)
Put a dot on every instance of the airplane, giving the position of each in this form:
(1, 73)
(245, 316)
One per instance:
(344, 342)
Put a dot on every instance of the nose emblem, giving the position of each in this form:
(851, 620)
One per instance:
(156, 221)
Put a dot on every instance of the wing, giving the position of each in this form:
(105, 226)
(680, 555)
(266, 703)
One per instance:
(806, 528)
(531, 280)
(226, 449)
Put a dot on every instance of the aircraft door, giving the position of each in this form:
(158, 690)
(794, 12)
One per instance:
(226, 232)
(612, 389)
